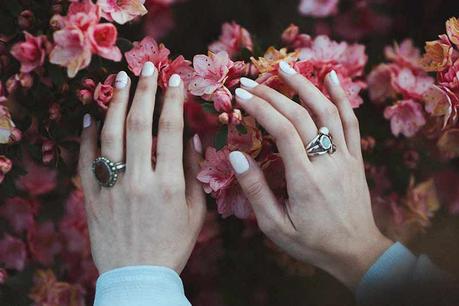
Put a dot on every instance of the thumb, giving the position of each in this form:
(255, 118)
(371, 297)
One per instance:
(271, 217)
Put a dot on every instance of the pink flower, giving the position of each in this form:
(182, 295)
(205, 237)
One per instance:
(293, 38)
(39, 180)
(121, 11)
(380, 83)
(5, 166)
(222, 100)
(218, 178)
(144, 51)
(103, 41)
(104, 92)
(450, 77)
(233, 40)
(19, 213)
(410, 85)
(12, 253)
(404, 54)
(31, 53)
(406, 117)
(318, 8)
(440, 101)
(179, 66)
(44, 243)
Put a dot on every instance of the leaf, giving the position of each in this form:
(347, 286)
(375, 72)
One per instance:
(221, 138)
(124, 44)
(209, 108)
(241, 129)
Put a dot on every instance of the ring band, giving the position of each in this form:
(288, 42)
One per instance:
(321, 144)
(106, 171)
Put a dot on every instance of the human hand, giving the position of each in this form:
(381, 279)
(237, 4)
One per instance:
(153, 214)
(327, 220)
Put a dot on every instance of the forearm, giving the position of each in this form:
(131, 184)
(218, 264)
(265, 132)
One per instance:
(140, 286)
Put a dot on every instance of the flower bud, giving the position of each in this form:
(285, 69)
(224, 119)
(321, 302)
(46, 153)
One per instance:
(25, 20)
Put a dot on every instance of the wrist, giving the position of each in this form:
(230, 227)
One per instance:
(351, 264)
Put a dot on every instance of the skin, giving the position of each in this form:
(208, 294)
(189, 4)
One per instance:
(328, 219)
(152, 216)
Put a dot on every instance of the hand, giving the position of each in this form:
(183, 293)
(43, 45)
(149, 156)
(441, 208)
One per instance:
(153, 215)
(327, 220)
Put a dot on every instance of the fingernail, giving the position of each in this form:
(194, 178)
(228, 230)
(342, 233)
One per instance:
(239, 162)
(286, 68)
(148, 69)
(197, 143)
(246, 82)
(175, 80)
(86, 120)
(243, 94)
(333, 77)
(121, 80)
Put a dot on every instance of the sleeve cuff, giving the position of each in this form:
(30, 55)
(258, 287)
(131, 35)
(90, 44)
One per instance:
(140, 286)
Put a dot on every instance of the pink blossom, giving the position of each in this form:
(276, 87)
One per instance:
(293, 38)
(44, 242)
(440, 101)
(406, 117)
(104, 92)
(19, 213)
(233, 40)
(411, 85)
(404, 54)
(450, 76)
(222, 99)
(25, 19)
(318, 8)
(12, 253)
(121, 11)
(5, 166)
(38, 180)
(144, 51)
(179, 66)
(380, 83)
(103, 41)
(31, 53)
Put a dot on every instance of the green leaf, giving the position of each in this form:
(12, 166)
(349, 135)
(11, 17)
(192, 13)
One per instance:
(209, 108)
(221, 138)
(124, 44)
(241, 129)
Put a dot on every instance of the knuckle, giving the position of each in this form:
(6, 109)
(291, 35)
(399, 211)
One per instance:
(108, 136)
(329, 111)
(254, 190)
(169, 125)
(137, 122)
(144, 85)
(299, 114)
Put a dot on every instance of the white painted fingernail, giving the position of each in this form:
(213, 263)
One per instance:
(333, 77)
(87, 120)
(243, 94)
(121, 80)
(286, 68)
(175, 80)
(148, 69)
(246, 82)
(239, 162)
(197, 143)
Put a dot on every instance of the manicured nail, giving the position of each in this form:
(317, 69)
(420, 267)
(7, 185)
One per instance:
(121, 80)
(148, 69)
(246, 82)
(87, 120)
(333, 77)
(197, 144)
(286, 68)
(175, 80)
(239, 162)
(243, 94)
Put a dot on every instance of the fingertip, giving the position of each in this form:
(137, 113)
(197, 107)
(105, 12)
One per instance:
(239, 162)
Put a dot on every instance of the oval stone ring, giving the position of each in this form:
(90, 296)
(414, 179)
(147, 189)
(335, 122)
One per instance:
(106, 171)
(321, 144)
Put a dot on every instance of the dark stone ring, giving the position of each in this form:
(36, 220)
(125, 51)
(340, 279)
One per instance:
(106, 171)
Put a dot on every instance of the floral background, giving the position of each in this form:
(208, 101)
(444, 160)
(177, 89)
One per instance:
(57, 60)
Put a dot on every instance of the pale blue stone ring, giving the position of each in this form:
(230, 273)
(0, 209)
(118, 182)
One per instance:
(321, 144)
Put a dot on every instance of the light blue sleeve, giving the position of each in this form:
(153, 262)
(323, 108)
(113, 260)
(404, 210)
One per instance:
(395, 274)
(140, 286)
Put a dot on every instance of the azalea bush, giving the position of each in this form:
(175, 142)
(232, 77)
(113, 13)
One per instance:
(58, 61)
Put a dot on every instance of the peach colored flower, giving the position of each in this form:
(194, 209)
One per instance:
(233, 40)
(121, 11)
(144, 51)
(271, 59)
(30, 53)
(452, 29)
(438, 54)
(406, 117)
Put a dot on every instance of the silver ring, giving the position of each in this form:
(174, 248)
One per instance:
(106, 171)
(321, 144)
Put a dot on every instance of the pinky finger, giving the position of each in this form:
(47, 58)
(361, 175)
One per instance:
(88, 151)
(348, 118)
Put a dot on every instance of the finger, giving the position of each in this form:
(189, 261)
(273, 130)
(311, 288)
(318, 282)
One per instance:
(287, 139)
(348, 118)
(112, 135)
(194, 192)
(170, 129)
(270, 216)
(140, 120)
(294, 112)
(88, 153)
(324, 112)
